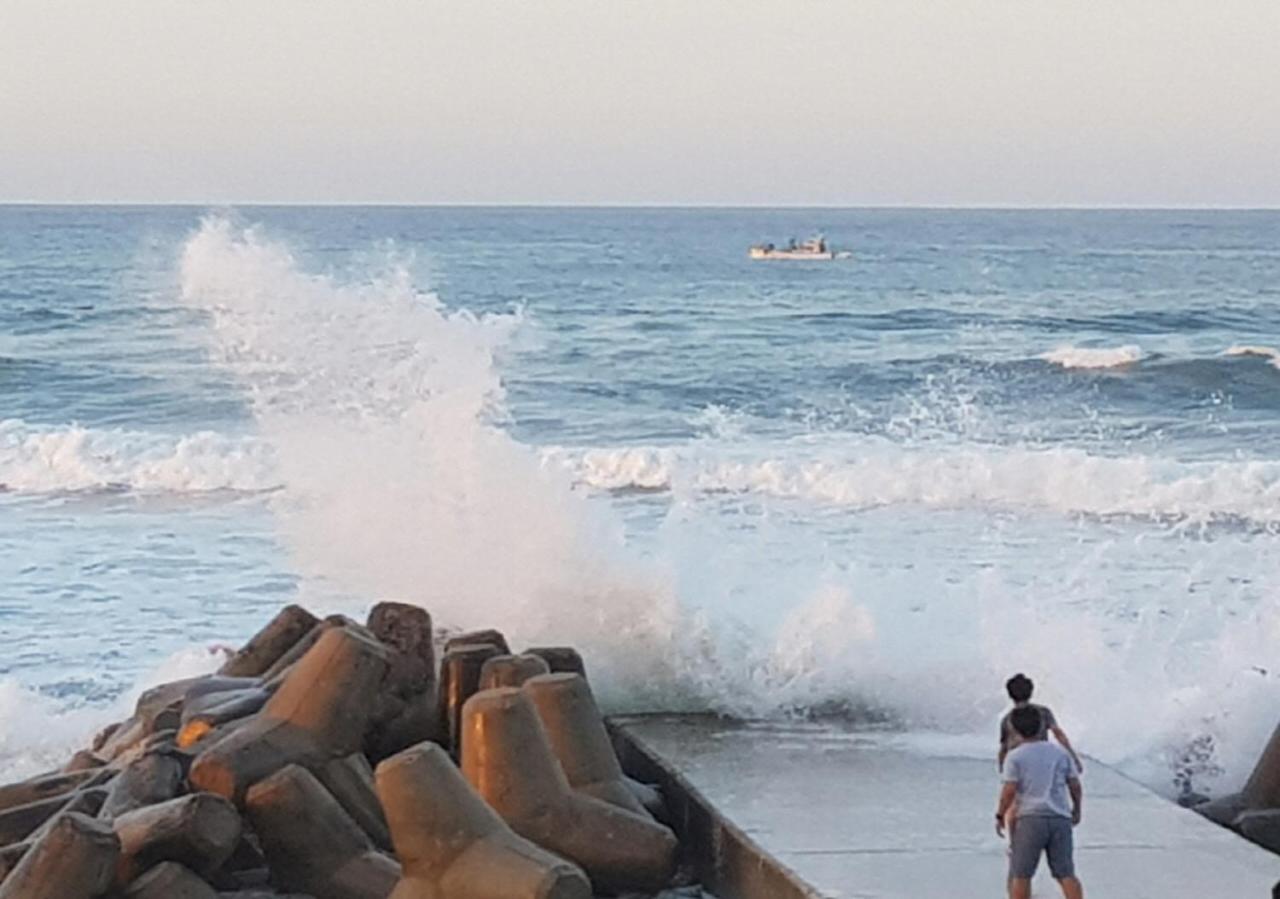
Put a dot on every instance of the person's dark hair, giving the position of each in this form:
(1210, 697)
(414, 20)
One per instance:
(1026, 721)
(1019, 687)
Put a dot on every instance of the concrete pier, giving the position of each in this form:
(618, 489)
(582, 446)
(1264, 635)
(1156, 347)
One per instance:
(785, 811)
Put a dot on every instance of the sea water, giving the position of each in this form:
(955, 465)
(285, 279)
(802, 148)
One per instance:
(988, 442)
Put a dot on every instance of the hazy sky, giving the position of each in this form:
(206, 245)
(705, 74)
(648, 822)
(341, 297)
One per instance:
(935, 102)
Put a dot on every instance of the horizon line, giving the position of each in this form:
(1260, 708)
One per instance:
(341, 204)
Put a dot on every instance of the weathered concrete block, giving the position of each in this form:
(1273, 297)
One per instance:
(406, 712)
(511, 671)
(1222, 810)
(486, 637)
(508, 758)
(575, 729)
(199, 831)
(169, 880)
(453, 846)
(87, 802)
(160, 708)
(84, 760)
(44, 786)
(313, 845)
(560, 659)
(350, 781)
(75, 860)
(1261, 826)
(204, 716)
(19, 823)
(1262, 789)
(265, 648)
(10, 856)
(104, 735)
(320, 711)
(650, 797)
(459, 680)
(153, 778)
(407, 630)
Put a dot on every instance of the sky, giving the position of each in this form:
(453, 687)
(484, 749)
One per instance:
(725, 102)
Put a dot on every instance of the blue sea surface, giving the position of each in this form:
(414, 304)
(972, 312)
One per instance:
(988, 440)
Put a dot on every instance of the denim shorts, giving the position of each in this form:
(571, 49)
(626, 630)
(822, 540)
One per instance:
(1041, 833)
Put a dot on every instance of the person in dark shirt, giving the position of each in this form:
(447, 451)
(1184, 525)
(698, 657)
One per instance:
(1020, 688)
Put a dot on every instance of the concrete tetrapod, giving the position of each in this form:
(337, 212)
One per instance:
(76, 859)
(169, 880)
(406, 711)
(459, 679)
(511, 671)
(154, 777)
(560, 659)
(453, 846)
(44, 786)
(350, 781)
(312, 845)
(487, 637)
(200, 831)
(1262, 789)
(508, 759)
(320, 712)
(575, 728)
(265, 647)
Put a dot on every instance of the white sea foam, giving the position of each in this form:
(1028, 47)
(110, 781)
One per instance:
(382, 407)
(1089, 357)
(38, 732)
(37, 459)
(1264, 352)
(383, 411)
(1057, 480)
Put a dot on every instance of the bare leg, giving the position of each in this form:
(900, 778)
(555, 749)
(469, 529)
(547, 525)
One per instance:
(1071, 888)
(1019, 888)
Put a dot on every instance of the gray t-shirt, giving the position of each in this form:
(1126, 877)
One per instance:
(1041, 770)
(1010, 737)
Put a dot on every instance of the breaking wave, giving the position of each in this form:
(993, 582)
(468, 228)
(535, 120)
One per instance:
(1085, 357)
(36, 459)
(1263, 352)
(1059, 480)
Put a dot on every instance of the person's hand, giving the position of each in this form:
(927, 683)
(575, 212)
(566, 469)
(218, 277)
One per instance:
(1000, 826)
(1075, 816)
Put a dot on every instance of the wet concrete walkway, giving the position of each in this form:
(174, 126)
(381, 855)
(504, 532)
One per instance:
(862, 815)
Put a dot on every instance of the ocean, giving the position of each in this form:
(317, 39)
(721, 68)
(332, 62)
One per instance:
(873, 488)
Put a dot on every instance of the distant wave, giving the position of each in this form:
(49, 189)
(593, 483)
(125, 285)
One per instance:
(1086, 357)
(1264, 352)
(35, 459)
(1063, 481)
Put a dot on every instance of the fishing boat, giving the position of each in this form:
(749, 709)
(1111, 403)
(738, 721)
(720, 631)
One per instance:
(815, 248)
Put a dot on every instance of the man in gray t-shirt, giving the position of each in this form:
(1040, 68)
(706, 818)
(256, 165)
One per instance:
(1042, 784)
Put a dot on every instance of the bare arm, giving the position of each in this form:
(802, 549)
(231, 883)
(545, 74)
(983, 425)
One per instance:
(1004, 750)
(1008, 793)
(1061, 737)
(1077, 798)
